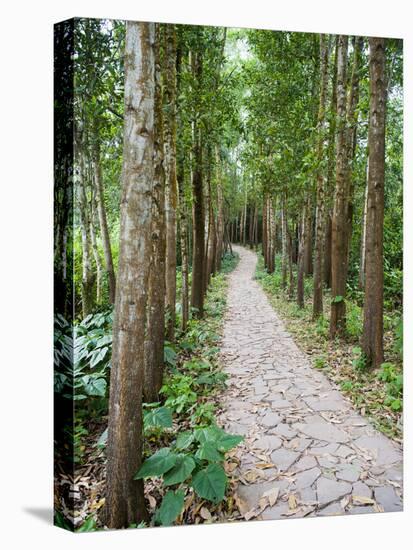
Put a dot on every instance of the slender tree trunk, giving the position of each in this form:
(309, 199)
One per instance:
(331, 174)
(264, 231)
(171, 191)
(95, 249)
(104, 229)
(362, 270)
(300, 261)
(290, 265)
(372, 339)
(320, 211)
(155, 331)
(284, 229)
(308, 232)
(88, 278)
(198, 255)
(327, 253)
(212, 239)
(220, 219)
(339, 222)
(124, 496)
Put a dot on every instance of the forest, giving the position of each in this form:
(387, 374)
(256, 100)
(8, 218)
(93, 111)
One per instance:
(183, 155)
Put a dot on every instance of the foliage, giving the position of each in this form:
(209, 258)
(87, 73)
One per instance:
(194, 459)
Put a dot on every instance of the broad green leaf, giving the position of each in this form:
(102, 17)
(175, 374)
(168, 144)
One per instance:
(184, 440)
(228, 441)
(170, 508)
(209, 451)
(157, 464)
(210, 483)
(181, 470)
(158, 418)
(337, 299)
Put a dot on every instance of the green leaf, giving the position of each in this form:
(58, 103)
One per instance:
(396, 405)
(184, 440)
(89, 525)
(228, 441)
(169, 356)
(95, 386)
(182, 469)
(170, 508)
(210, 483)
(209, 451)
(101, 443)
(157, 464)
(158, 418)
(337, 299)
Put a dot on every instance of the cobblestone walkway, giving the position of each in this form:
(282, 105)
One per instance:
(306, 451)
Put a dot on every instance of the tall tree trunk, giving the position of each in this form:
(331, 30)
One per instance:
(284, 230)
(155, 331)
(352, 134)
(88, 277)
(171, 191)
(264, 231)
(300, 261)
(125, 502)
(290, 265)
(212, 239)
(220, 218)
(308, 243)
(95, 249)
(362, 269)
(372, 339)
(183, 226)
(197, 294)
(327, 253)
(320, 209)
(331, 174)
(339, 222)
(104, 229)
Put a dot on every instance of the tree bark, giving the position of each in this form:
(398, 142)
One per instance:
(284, 229)
(339, 222)
(320, 210)
(104, 229)
(197, 294)
(220, 219)
(171, 191)
(372, 339)
(155, 331)
(124, 496)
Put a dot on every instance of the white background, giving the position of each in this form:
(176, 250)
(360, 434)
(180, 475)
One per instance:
(26, 270)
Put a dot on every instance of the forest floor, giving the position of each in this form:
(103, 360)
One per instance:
(306, 450)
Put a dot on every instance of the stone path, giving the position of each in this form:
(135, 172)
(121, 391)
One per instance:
(306, 451)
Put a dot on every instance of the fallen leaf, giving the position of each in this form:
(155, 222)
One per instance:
(292, 502)
(264, 465)
(272, 495)
(362, 501)
(205, 514)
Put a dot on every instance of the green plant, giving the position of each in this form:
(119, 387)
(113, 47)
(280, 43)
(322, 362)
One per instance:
(179, 394)
(320, 362)
(394, 385)
(203, 415)
(195, 458)
(359, 359)
(347, 385)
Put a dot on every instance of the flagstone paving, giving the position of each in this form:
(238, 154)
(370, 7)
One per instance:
(306, 451)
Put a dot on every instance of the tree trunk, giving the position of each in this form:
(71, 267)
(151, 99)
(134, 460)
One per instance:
(362, 269)
(327, 253)
(300, 260)
(171, 192)
(264, 231)
(197, 295)
(104, 229)
(284, 229)
(155, 331)
(124, 496)
(220, 219)
(372, 339)
(320, 209)
(88, 277)
(339, 222)
(95, 249)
